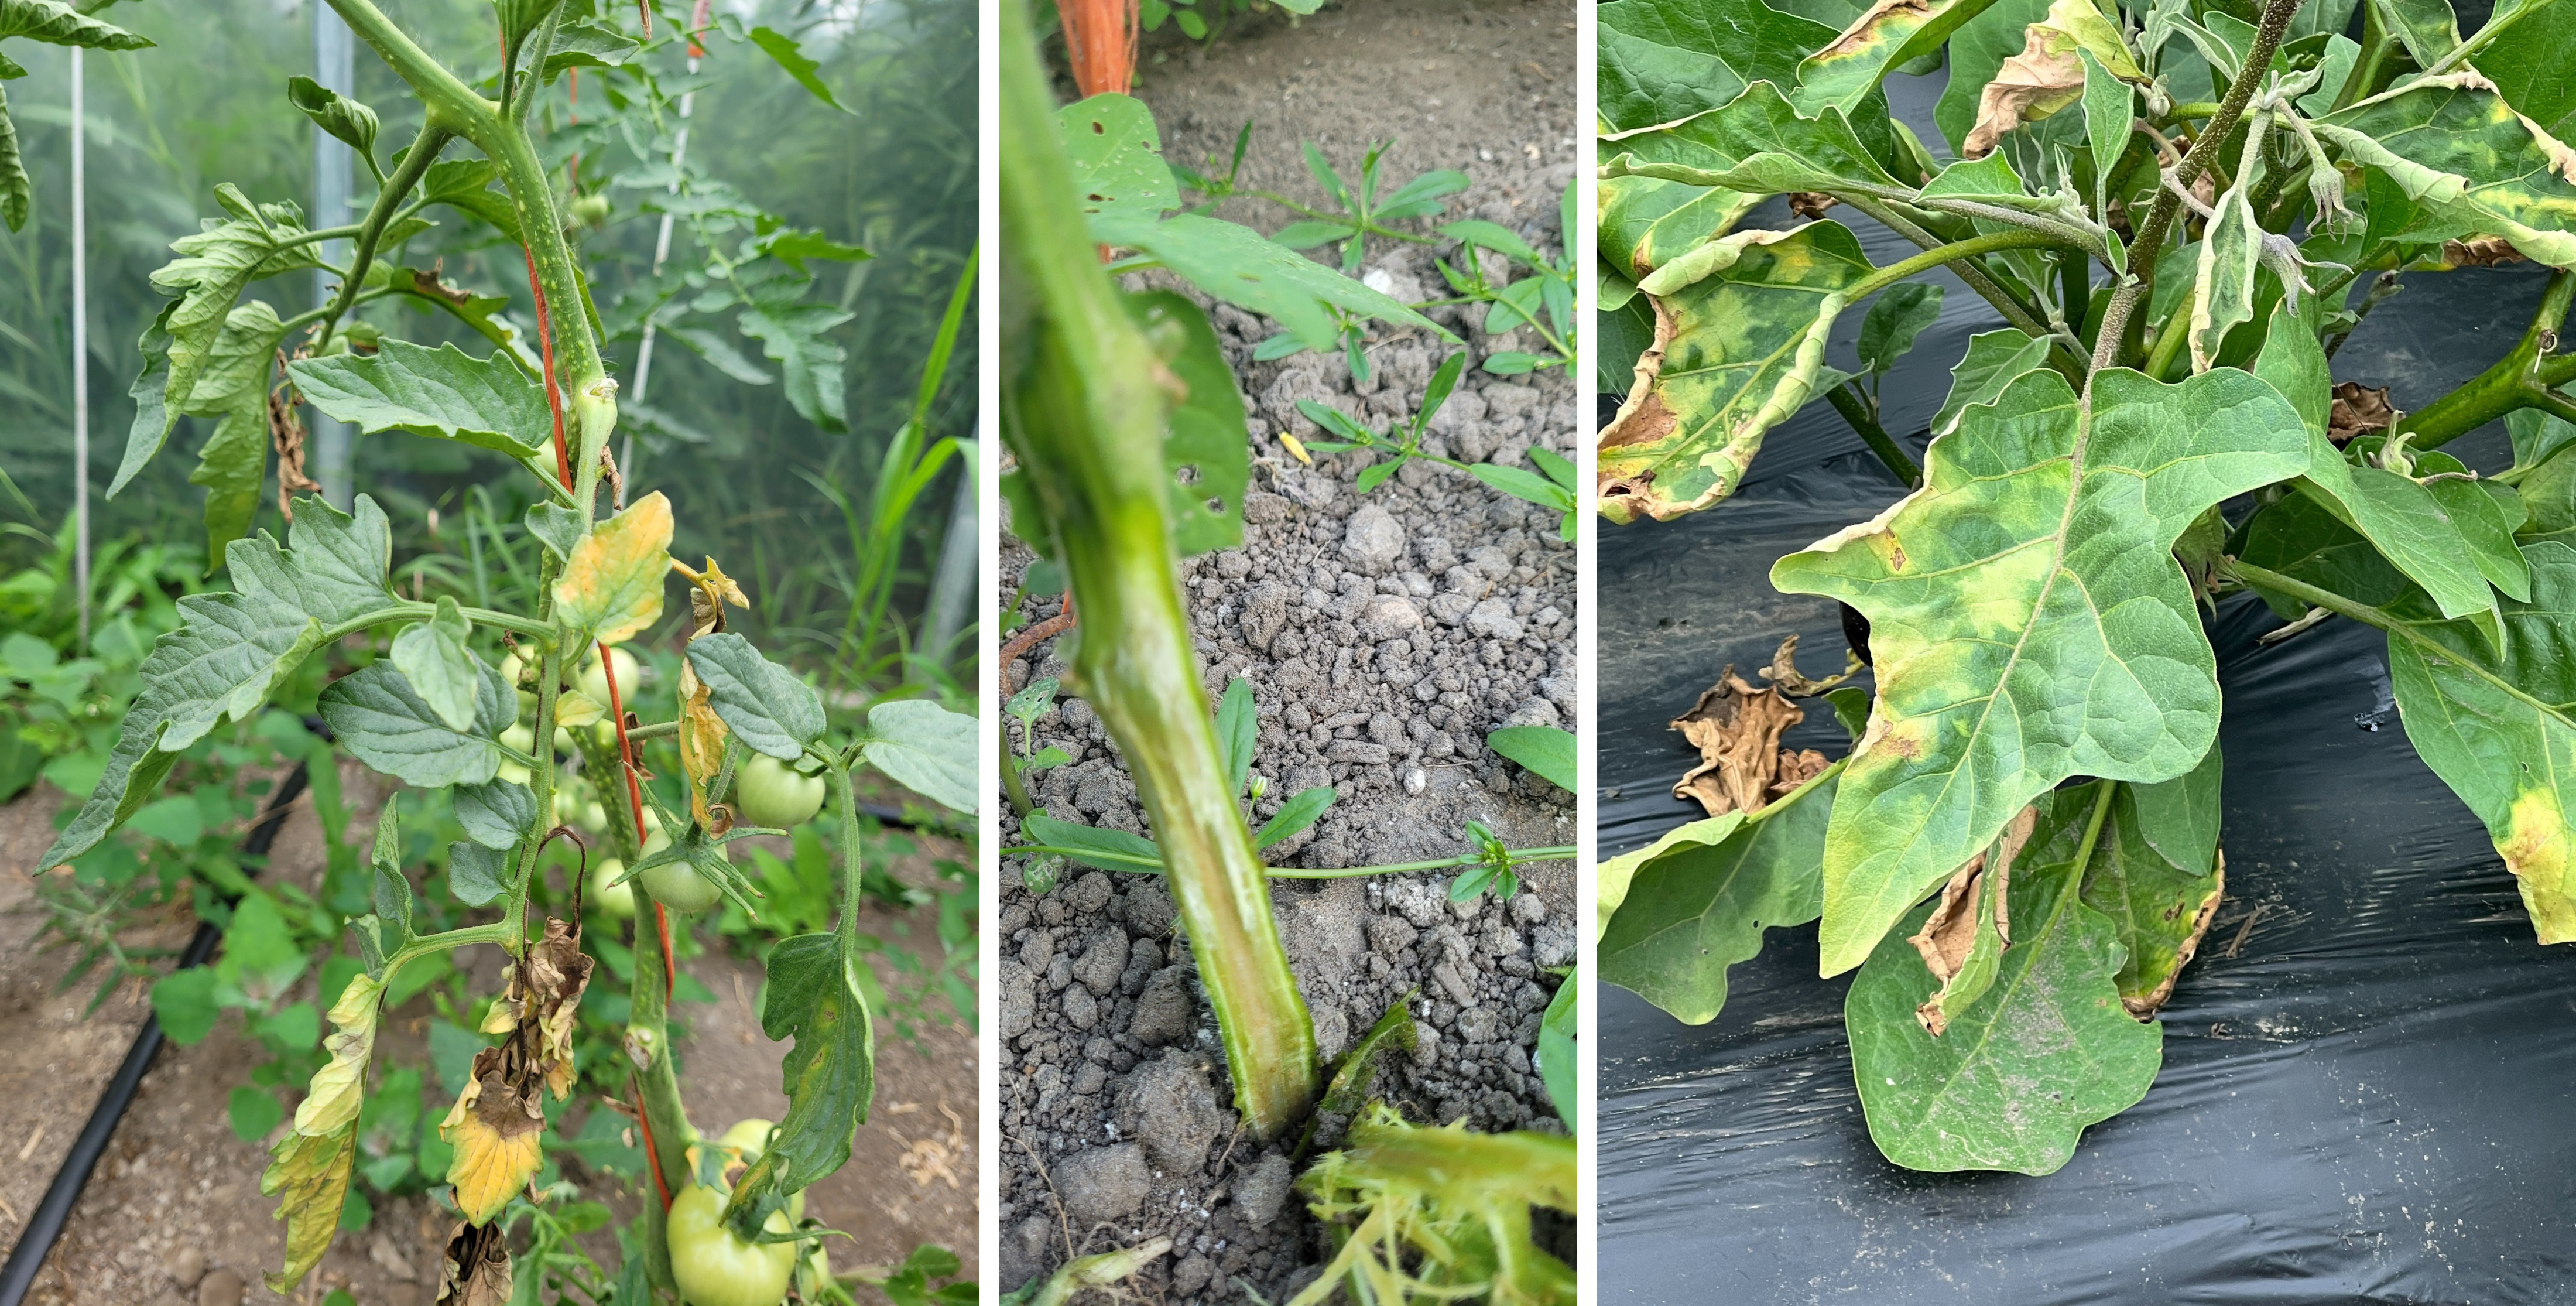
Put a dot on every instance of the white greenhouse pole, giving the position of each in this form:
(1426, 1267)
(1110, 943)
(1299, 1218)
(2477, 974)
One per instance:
(80, 351)
(662, 250)
(334, 66)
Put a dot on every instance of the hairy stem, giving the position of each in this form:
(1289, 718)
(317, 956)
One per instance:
(2520, 379)
(1084, 415)
(1857, 413)
(389, 199)
(2005, 302)
(2113, 346)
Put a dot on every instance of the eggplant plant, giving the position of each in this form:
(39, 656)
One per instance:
(430, 708)
(1131, 449)
(2171, 205)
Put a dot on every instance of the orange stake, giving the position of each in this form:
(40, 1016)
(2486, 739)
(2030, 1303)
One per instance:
(546, 341)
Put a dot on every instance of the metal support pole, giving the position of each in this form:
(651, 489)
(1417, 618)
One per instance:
(661, 252)
(334, 65)
(80, 351)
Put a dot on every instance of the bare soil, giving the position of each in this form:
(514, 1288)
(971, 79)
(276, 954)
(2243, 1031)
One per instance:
(1384, 635)
(173, 1213)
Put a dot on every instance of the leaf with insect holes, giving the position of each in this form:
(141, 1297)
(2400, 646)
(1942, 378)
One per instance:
(2461, 153)
(1109, 850)
(1696, 901)
(1205, 449)
(1739, 343)
(442, 671)
(1545, 750)
(220, 664)
(2043, 524)
(347, 120)
(612, 584)
(815, 996)
(496, 813)
(375, 713)
(1302, 809)
(1117, 158)
(2048, 1051)
(925, 748)
(1236, 728)
(762, 703)
(213, 268)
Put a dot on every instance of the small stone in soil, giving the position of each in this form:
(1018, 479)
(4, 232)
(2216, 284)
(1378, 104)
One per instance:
(221, 1287)
(1261, 1191)
(1175, 1112)
(186, 1265)
(1103, 1183)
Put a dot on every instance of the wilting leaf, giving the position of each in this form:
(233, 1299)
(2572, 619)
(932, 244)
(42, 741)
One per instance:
(213, 267)
(2043, 524)
(763, 703)
(227, 653)
(1663, 60)
(2454, 146)
(442, 393)
(1736, 352)
(475, 1270)
(1737, 730)
(332, 1100)
(1646, 222)
(2230, 254)
(1460, 1199)
(815, 997)
(1994, 359)
(2157, 877)
(1962, 942)
(1393, 1032)
(377, 715)
(612, 585)
(494, 1127)
(2499, 726)
(2018, 1076)
(1204, 445)
(311, 1173)
(1893, 32)
(1696, 901)
(2398, 515)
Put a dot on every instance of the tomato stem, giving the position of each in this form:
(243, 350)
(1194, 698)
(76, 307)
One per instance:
(554, 395)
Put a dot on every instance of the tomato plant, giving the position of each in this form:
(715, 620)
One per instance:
(2170, 206)
(476, 708)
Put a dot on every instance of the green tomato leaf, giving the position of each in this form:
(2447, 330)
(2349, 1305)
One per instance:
(465, 185)
(558, 527)
(922, 746)
(477, 875)
(584, 44)
(761, 702)
(443, 393)
(1117, 158)
(496, 813)
(220, 664)
(393, 891)
(816, 997)
(1895, 318)
(1740, 330)
(17, 191)
(347, 120)
(213, 268)
(2016, 1078)
(377, 715)
(812, 363)
(2155, 876)
(234, 387)
(56, 22)
(442, 671)
(2043, 524)
(791, 57)
(1545, 750)
(1696, 901)
(337, 572)
(1205, 448)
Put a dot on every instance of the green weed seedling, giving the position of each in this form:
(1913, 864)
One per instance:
(1556, 490)
(1543, 301)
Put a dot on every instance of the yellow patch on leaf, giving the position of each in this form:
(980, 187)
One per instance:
(612, 583)
(331, 1101)
(702, 732)
(310, 1179)
(575, 709)
(495, 1131)
(2537, 848)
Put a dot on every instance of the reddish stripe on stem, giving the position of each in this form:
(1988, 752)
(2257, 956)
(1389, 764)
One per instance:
(652, 1159)
(635, 802)
(546, 341)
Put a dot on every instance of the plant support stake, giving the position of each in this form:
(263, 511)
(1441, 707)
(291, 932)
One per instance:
(80, 354)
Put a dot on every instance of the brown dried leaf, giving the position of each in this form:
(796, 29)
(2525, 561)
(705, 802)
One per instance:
(1736, 729)
(2358, 411)
(2480, 252)
(476, 1269)
(1783, 672)
(1977, 891)
(1798, 768)
(2147, 1006)
(494, 1127)
(2030, 86)
(1810, 204)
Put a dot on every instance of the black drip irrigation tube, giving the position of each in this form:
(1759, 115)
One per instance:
(55, 1209)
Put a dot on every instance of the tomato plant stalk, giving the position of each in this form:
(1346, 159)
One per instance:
(1084, 411)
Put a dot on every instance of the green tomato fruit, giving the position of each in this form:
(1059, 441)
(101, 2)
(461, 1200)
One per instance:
(748, 1138)
(525, 740)
(713, 1267)
(767, 791)
(617, 900)
(590, 210)
(678, 886)
(594, 686)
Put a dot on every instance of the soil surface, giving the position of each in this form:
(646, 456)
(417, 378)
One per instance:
(1384, 635)
(173, 1213)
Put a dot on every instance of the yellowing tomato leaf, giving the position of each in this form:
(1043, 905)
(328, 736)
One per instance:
(612, 584)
